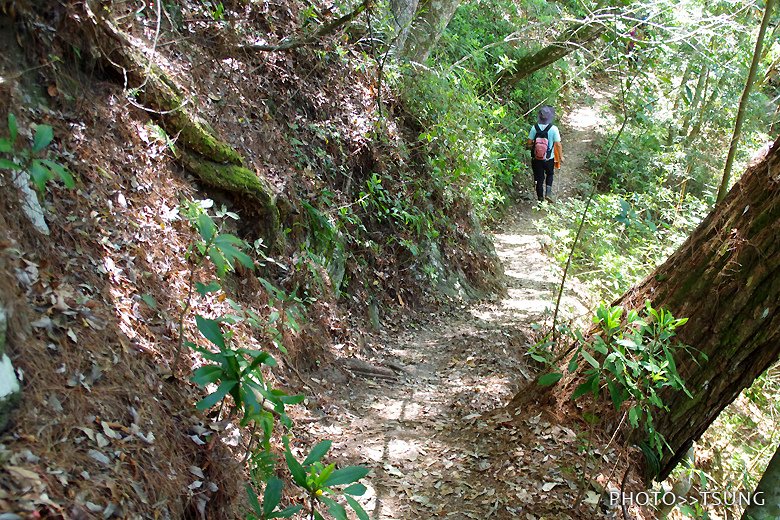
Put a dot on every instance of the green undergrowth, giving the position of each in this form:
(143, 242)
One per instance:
(629, 357)
(624, 237)
(237, 378)
(344, 238)
(474, 144)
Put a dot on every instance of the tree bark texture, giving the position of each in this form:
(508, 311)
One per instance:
(403, 13)
(726, 279)
(766, 505)
(571, 39)
(432, 18)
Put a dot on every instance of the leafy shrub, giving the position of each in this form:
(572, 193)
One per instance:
(626, 234)
(475, 144)
(235, 378)
(632, 358)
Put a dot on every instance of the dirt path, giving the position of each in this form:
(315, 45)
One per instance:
(434, 450)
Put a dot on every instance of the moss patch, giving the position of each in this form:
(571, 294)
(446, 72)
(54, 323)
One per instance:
(234, 178)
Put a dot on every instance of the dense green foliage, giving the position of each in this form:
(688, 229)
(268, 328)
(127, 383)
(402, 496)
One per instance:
(473, 145)
(679, 99)
(474, 135)
(624, 237)
(629, 358)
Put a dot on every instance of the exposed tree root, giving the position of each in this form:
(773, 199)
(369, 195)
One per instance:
(235, 178)
(324, 30)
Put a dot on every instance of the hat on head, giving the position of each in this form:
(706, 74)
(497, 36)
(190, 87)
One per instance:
(546, 115)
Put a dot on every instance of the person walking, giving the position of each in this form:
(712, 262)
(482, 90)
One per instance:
(544, 141)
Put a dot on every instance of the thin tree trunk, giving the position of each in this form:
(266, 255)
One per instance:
(678, 100)
(724, 183)
(766, 498)
(572, 39)
(696, 129)
(771, 72)
(698, 95)
(693, 135)
(726, 280)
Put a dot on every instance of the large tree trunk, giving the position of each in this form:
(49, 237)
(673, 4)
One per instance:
(726, 280)
(766, 503)
(426, 29)
(572, 39)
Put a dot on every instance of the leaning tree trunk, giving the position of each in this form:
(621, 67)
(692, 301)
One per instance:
(572, 39)
(426, 29)
(726, 280)
(766, 499)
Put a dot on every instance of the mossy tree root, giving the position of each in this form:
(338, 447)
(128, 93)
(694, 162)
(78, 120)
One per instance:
(235, 178)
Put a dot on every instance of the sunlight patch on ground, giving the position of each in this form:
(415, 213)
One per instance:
(514, 240)
(399, 449)
(584, 118)
(400, 410)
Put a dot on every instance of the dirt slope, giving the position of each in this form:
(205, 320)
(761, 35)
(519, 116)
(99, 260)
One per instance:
(104, 429)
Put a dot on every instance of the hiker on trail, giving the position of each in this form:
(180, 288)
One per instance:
(544, 141)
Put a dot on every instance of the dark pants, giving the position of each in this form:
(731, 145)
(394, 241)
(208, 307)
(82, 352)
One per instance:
(543, 174)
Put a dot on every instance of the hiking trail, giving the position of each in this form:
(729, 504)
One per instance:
(426, 434)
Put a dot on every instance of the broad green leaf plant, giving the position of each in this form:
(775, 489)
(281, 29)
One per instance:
(320, 482)
(234, 377)
(235, 371)
(632, 358)
(33, 159)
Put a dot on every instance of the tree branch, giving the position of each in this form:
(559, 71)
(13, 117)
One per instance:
(572, 38)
